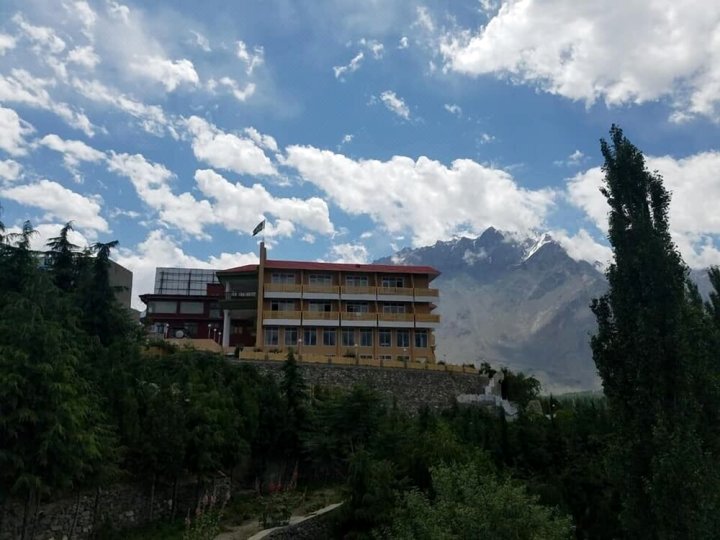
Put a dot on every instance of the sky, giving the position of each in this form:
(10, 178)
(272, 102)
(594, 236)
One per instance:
(354, 129)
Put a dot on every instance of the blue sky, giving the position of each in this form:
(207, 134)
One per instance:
(354, 128)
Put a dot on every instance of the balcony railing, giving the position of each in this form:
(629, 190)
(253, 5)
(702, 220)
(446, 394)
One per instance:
(426, 292)
(406, 317)
(353, 289)
(321, 315)
(400, 291)
(329, 289)
(282, 314)
(283, 287)
(358, 316)
(427, 317)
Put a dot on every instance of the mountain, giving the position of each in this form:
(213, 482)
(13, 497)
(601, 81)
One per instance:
(517, 302)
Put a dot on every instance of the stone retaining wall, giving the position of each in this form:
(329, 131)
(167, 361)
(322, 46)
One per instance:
(118, 507)
(410, 389)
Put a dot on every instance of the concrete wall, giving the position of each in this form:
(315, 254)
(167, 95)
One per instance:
(411, 389)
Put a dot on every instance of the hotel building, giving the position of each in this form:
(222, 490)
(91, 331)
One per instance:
(366, 311)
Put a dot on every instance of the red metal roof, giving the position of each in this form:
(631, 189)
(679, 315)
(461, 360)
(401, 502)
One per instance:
(336, 267)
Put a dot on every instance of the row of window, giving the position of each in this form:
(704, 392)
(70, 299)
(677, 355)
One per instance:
(184, 308)
(349, 337)
(350, 307)
(326, 279)
(183, 281)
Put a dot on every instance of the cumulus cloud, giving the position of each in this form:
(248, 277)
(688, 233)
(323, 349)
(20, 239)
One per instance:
(60, 203)
(453, 109)
(239, 207)
(7, 42)
(349, 253)
(10, 170)
(13, 130)
(403, 44)
(582, 246)
(573, 160)
(42, 37)
(619, 52)
(351, 67)
(201, 41)
(73, 151)
(395, 104)
(251, 59)
(399, 193)
(21, 87)
(161, 249)
(170, 73)
(46, 231)
(151, 182)
(83, 56)
(695, 187)
(226, 150)
(241, 94)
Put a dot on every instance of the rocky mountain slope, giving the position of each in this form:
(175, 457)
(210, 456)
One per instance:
(515, 302)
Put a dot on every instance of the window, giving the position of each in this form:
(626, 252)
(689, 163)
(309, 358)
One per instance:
(366, 357)
(310, 336)
(282, 305)
(385, 338)
(320, 306)
(320, 279)
(282, 277)
(393, 281)
(348, 337)
(192, 308)
(356, 281)
(357, 307)
(214, 311)
(403, 338)
(291, 337)
(329, 336)
(393, 308)
(183, 281)
(421, 339)
(385, 357)
(162, 307)
(271, 336)
(366, 338)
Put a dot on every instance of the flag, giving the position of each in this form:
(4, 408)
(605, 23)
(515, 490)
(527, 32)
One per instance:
(259, 227)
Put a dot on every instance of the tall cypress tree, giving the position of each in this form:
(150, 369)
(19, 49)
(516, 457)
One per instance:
(653, 355)
(62, 258)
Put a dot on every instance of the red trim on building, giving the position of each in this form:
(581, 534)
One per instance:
(336, 267)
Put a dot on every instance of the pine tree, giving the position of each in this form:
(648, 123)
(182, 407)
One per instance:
(62, 259)
(653, 356)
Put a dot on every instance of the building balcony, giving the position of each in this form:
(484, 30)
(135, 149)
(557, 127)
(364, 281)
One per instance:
(426, 295)
(427, 320)
(321, 292)
(403, 294)
(283, 290)
(358, 292)
(281, 318)
(320, 318)
(396, 320)
(358, 319)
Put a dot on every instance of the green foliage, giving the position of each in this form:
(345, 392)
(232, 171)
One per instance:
(519, 388)
(656, 351)
(469, 501)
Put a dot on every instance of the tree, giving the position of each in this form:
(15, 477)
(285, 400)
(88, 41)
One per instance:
(471, 502)
(62, 258)
(653, 355)
(713, 304)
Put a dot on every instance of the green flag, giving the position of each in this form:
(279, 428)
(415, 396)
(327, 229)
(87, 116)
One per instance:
(259, 227)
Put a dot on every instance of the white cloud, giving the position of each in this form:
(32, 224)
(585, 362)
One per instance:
(403, 44)
(619, 52)
(160, 249)
(10, 170)
(60, 203)
(400, 193)
(151, 117)
(83, 56)
(424, 19)
(226, 150)
(376, 48)
(349, 253)
(241, 94)
(86, 15)
(201, 41)
(13, 130)
(573, 160)
(453, 109)
(695, 187)
(239, 207)
(251, 59)
(486, 138)
(118, 11)
(395, 104)
(6, 43)
(170, 73)
(21, 87)
(46, 231)
(73, 151)
(347, 139)
(351, 67)
(151, 182)
(583, 247)
(266, 141)
(44, 38)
